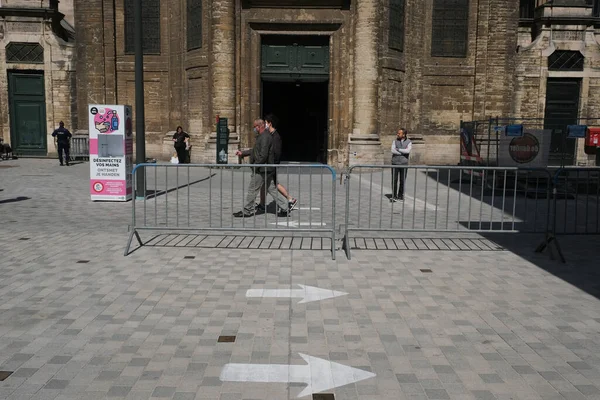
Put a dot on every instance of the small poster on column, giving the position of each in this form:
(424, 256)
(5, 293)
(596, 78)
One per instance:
(111, 152)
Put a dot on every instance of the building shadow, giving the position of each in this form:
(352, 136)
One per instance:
(14, 200)
(151, 194)
(581, 266)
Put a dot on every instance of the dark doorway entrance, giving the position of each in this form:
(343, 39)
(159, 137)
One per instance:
(27, 107)
(302, 112)
(295, 77)
(562, 109)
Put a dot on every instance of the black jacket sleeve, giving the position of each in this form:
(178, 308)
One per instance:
(246, 152)
(262, 148)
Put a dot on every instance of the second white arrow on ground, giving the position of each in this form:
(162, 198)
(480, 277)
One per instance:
(306, 293)
(318, 374)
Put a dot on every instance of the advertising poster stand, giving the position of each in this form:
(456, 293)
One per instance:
(222, 141)
(111, 152)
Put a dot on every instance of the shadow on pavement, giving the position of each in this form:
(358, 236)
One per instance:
(151, 194)
(581, 269)
(239, 242)
(15, 200)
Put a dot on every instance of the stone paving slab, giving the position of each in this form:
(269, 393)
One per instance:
(80, 321)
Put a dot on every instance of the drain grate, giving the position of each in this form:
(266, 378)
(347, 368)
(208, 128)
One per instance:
(323, 396)
(83, 261)
(189, 257)
(23, 238)
(226, 339)
(4, 375)
(426, 271)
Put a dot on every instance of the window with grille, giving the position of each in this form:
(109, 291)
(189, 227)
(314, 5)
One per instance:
(27, 53)
(450, 28)
(194, 24)
(396, 38)
(150, 27)
(527, 9)
(595, 7)
(564, 60)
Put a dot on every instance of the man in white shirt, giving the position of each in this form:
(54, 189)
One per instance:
(401, 148)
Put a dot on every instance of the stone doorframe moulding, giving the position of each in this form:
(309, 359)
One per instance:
(250, 77)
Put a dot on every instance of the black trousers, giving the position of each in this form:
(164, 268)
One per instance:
(63, 148)
(182, 154)
(398, 180)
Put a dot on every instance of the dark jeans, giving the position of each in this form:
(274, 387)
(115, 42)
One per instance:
(182, 154)
(398, 180)
(63, 147)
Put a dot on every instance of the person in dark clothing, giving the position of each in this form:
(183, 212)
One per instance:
(5, 150)
(179, 142)
(271, 126)
(62, 138)
(262, 153)
(401, 148)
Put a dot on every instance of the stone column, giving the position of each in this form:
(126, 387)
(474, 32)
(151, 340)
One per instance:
(364, 145)
(90, 59)
(222, 70)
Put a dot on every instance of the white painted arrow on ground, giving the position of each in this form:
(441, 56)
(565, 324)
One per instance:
(319, 375)
(306, 293)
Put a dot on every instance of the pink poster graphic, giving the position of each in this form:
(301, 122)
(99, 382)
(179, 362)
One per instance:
(107, 122)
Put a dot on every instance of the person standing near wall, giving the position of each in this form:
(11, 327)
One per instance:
(401, 148)
(62, 138)
(179, 142)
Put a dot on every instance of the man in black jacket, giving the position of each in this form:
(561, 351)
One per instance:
(62, 136)
(262, 153)
(271, 126)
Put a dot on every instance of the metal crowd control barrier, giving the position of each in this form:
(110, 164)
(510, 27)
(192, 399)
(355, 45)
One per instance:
(447, 199)
(80, 147)
(203, 197)
(576, 205)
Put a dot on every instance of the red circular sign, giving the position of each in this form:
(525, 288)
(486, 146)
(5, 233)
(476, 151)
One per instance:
(524, 149)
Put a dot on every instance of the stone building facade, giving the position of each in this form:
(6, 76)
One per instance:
(37, 60)
(342, 75)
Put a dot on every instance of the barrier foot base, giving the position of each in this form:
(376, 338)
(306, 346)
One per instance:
(139, 239)
(551, 239)
(346, 247)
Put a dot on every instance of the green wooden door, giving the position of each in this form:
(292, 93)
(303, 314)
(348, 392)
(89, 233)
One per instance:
(27, 113)
(295, 58)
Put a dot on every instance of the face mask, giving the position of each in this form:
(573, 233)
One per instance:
(267, 126)
(255, 131)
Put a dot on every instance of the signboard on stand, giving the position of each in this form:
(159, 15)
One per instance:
(111, 152)
(222, 141)
(530, 148)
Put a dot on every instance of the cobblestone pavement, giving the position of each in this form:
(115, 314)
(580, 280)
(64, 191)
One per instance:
(80, 321)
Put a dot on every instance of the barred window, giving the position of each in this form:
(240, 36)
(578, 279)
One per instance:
(194, 24)
(150, 27)
(31, 53)
(565, 60)
(396, 38)
(450, 28)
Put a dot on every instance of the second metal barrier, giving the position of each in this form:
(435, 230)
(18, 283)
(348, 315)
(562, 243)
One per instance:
(446, 199)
